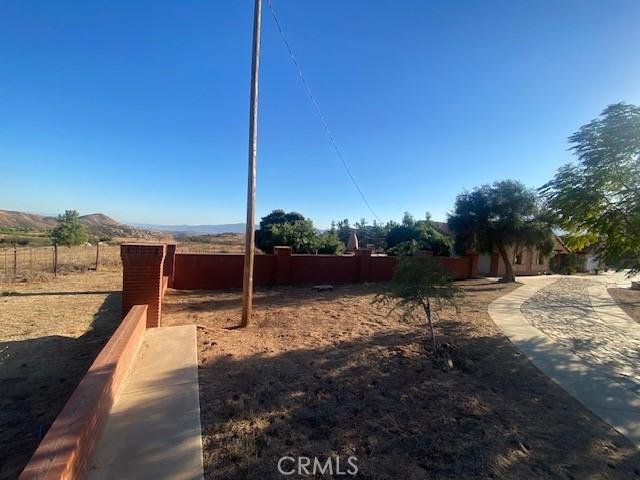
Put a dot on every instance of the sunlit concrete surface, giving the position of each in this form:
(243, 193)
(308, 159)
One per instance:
(595, 382)
(153, 430)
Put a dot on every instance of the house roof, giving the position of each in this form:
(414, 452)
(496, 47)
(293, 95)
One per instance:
(443, 228)
(560, 246)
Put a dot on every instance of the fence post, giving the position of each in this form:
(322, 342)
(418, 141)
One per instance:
(169, 263)
(15, 262)
(55, 259)
(363, 256)
(97, 254)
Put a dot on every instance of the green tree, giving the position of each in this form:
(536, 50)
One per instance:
(420, 282)
(597, 200)
(268, 237)
(496, 217)
(294, 230)
(412, 235)
(300, 235)
(328, 243)
(69, 230)
(344, 230)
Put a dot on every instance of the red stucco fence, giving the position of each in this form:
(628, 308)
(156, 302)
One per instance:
(195, 271)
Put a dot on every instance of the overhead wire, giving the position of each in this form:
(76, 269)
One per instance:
(319, 111)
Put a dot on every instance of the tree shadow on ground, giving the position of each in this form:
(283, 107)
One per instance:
(290, 296)
(379, 399)
(38, 376)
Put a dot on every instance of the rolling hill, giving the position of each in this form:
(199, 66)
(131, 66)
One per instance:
(97, 224)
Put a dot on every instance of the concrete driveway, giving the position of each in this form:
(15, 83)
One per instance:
(572, 330)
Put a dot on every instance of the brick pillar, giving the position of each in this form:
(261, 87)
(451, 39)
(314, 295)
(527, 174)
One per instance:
(283, 264)
(168, 267)
(473, 265)
(364, 264)
(142, 279)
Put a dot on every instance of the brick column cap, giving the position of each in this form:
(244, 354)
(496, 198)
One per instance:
(131, 251)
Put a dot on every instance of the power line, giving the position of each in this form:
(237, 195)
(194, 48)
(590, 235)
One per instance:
(318, 111)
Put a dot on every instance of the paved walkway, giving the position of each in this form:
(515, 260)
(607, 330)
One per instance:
(573, 331)
(153, 430)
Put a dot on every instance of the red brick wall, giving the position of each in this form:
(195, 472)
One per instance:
(221, 271)
(198, 271)
(70, 442)
(381, 268)
(310, 269)
(142, 283)
(461, 267)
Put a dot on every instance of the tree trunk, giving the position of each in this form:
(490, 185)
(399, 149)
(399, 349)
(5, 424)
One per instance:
(508, 276)
(427, 311)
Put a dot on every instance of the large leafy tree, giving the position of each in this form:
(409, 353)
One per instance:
(69, 230)
(597, 200)
(294, 230)
(414, 234)
(494, 218)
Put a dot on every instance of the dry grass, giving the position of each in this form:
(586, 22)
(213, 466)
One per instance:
(220, 243)
(50, 332)
(322, 374)
(628, 300)
(33, 264)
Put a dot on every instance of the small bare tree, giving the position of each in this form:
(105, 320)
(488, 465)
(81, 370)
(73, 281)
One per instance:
(420, 282)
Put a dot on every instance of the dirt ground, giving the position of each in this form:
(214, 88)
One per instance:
(628, 300)
(50, 333)
(329, 374)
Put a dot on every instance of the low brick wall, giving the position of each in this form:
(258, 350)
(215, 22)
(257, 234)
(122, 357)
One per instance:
(71, 440)
(197, 271)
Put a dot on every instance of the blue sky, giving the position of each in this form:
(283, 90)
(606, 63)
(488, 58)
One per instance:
(140, 109)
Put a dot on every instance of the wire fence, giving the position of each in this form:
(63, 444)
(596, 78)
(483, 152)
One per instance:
(222, 246)
(24, 264)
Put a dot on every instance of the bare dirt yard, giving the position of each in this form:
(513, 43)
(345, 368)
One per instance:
(50, 333)
(628, 300)
(329, 374)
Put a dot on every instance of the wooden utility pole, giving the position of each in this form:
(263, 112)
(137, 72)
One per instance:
(249, 246)
(97, 254)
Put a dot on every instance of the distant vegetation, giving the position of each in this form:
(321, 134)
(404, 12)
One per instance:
(27, 229)
(295, 230)
(69, 230)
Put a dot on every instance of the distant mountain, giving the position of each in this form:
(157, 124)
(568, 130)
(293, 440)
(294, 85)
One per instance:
(193, 229)
(97, 224)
